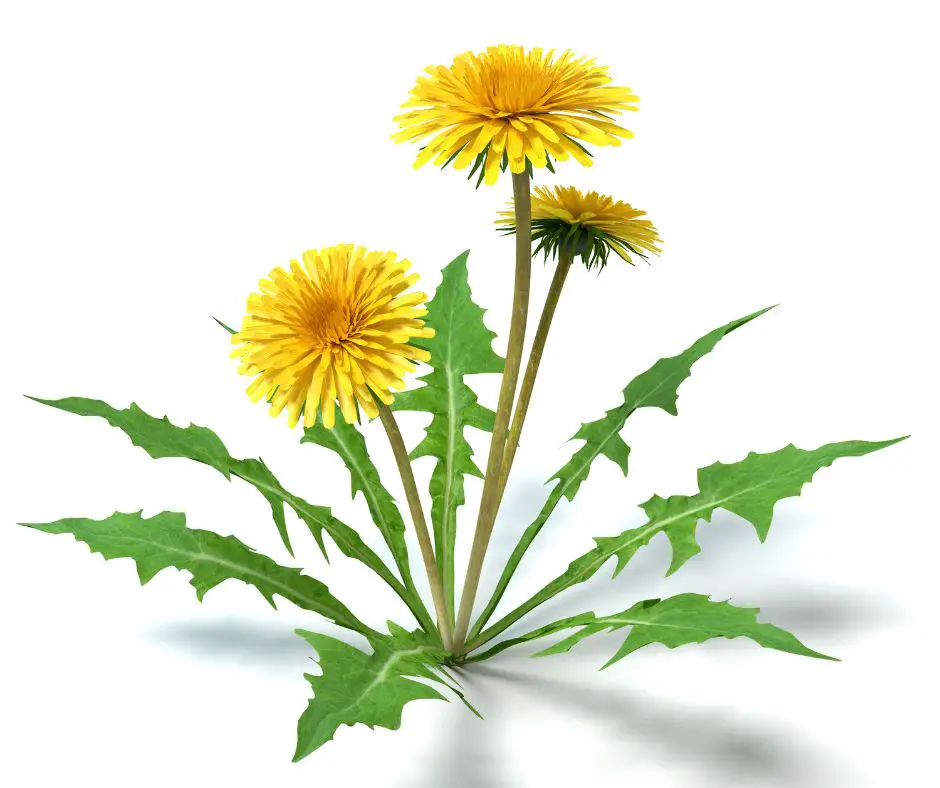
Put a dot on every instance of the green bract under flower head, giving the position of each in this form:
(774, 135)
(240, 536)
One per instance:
(567, 222)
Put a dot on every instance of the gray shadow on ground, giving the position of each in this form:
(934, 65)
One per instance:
(520, 506)
(722, 747)
(730, 549)
(466, 746)
(243, 642)
(839, 612)
(468, 750)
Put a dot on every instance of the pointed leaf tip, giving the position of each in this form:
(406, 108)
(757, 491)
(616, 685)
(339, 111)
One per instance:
(749, 488)
(159, 438)
(686, 619)
(657, 387)
(227, 328)
(164, 540)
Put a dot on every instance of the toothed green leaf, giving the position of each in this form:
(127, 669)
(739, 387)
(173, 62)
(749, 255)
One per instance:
(160, 438)
(372, 689)
(683, 619)
(462, 345)
(750, 488)
(164, 540)
(431, 661)
(346, 441)
(656, 388)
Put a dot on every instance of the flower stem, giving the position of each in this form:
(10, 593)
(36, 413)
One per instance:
(532, 367)
(512, 442)
(489, 504)
(421, 526)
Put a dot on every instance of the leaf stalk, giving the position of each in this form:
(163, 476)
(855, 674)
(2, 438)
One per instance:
(565, 260)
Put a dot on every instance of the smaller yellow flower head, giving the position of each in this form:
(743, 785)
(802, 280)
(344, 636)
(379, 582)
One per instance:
(509, 107)
(567, 221)
(337, 326)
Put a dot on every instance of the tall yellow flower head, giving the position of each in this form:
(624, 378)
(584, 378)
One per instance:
(337, 326)
(508, 107)
(567, 221)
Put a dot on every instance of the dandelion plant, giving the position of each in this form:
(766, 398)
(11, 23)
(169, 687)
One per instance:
(335, 338)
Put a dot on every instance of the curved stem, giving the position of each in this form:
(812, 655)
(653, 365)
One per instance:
(417, 517)
(489, 504)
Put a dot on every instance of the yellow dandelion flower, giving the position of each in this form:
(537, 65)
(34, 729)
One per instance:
(565, 220)
(337, 326)
(508, 107)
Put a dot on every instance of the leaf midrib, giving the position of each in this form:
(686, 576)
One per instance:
(299, 505)
(611, 621)
(366, 486)
(640, 403)
(711, 505)
(449, 470)
(451, 414)
(606, 554)
(380, 677)
(394, 657)
(210, 558)
(593, 456)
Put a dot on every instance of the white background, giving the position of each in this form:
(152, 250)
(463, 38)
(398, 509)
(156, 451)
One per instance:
(157, 159)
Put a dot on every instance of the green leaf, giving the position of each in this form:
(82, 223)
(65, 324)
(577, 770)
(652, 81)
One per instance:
(749, 488)
(346, 441)
(432, 659)
(683, 619)
(317, 518)
(656, 388)
(160, 438)
(462, 345)
(164, 540)
(581, 619)
(226, 327)
(371, 689)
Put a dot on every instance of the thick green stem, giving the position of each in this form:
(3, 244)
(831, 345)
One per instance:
(489, 505)
(421, 526)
